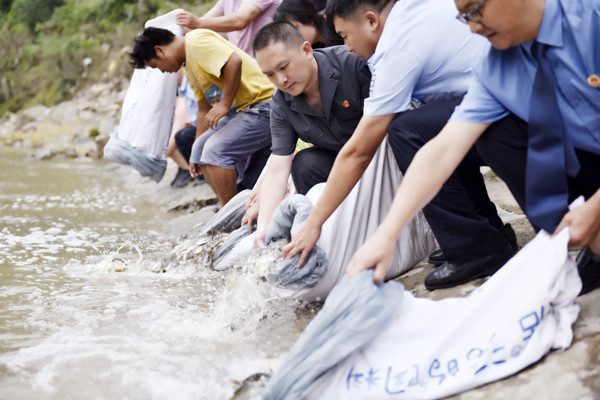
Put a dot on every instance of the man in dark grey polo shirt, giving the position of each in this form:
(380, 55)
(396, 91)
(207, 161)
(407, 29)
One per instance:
(319, 100)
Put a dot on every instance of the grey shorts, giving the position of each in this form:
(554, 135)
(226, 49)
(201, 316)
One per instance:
(235, 138)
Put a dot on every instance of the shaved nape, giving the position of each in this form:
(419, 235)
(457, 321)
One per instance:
(277, 32)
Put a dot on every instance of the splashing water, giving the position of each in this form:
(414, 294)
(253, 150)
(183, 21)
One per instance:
(85, 314)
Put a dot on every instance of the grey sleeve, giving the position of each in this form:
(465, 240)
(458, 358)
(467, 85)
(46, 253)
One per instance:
(283, 135)
(349, 62)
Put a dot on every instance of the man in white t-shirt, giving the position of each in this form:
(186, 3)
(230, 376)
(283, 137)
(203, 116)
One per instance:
(241, 19)
(417, 52)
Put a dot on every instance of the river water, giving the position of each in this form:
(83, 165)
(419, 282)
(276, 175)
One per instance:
(83, 315)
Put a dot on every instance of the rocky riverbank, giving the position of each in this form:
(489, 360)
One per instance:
(76, 128)
(81, 127)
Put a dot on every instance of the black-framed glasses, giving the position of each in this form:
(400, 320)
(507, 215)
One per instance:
(472, 15)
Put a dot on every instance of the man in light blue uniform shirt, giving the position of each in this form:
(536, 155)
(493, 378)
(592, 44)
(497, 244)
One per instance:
(533, 111)
(416, 51)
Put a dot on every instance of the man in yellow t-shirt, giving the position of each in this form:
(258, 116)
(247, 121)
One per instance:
(227, 132)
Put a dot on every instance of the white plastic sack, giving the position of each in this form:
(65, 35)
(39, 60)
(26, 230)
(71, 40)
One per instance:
(147, 113)
(352, 223)
(122, 152)
(345, 323)
(358, 217)
(434, 349)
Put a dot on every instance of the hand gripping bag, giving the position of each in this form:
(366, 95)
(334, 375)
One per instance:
(432, 349)
(358, 217)
(349, 226)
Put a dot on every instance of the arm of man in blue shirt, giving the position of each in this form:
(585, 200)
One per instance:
(584, 224)
(432, 166)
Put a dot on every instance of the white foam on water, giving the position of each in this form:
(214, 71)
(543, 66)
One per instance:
(87, 311)
(140, 334)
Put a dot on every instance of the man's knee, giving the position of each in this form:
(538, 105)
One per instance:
(411, 130)
(213, 146)
(215, 153)
(405, 138)
(304, 158)
(506, 135)
(310, 167)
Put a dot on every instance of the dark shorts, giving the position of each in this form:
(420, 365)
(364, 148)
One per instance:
(235, 139)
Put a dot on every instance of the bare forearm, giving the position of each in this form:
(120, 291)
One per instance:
(595, 201)
(346, 171)
(227, 23)
(349, 166)
(272, 191)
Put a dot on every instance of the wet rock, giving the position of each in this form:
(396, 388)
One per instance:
(41, 154)
(83, 147)
(34, 113)
(107, 126)
(185, 200)
(95, 108)
(190, 198)
(8, 124)
(250, 386)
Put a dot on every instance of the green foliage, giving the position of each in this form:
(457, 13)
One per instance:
(5, 6)
(32, 12)
(50, 49)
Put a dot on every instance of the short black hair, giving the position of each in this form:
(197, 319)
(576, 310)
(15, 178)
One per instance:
(305, 13)
(346, 8)
(143, 47)
(275, 32)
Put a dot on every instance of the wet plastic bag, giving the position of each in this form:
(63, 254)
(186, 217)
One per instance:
(229, 217)
(358, 217)
(289, 216)
(345, 231)
(432, 349)
(345, 323)
(142, 136)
